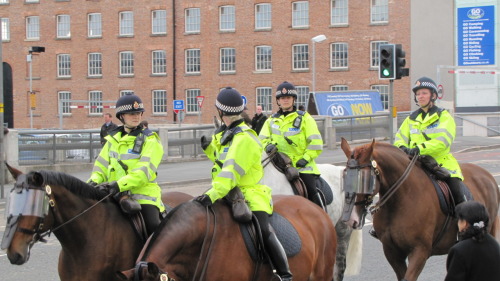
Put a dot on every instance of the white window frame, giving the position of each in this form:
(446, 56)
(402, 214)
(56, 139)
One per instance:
(300, 14)
(264, 98)
(5, 29)
(264, 58)
(227, 60)
(126, 23)
(126, 63)
(263, 16)
(191, 102)
(339, 88)
(159, 99)
(339, 55)
(66, 105)
(192, 20)
(159, 62)
(192, 61)
(95, 102)
(339, 12)
(302, 96)
(33, 28)
(300, 57)
(374, 54)
(94, 25)
(126, 92)
(159, 22)
(31, 1)
(4, 2)
(94, 64)
(63, 65)
(63, 26)
(384, 94)
(379, 11)
(227, 18)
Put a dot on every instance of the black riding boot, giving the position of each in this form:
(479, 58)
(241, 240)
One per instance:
(278, 257)
(318, 200)
(457, 191)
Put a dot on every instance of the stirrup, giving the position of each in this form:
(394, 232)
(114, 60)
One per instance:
(285, 278)
(373, 233)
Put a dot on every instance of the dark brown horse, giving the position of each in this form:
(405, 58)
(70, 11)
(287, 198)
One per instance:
(97, 239)
(195, 244)
(408, 220)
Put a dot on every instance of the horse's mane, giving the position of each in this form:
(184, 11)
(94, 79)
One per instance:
(385, 150)
(69, 182)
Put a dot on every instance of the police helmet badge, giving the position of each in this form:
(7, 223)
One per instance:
(136, 105)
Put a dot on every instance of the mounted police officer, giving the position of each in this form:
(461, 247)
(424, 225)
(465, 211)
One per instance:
(236, 152)
(296, 134)
(128, 163)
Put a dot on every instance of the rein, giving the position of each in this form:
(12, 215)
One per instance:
(205, 265)
(375, 208)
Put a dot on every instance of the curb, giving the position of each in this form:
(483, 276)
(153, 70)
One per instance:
(477, 148)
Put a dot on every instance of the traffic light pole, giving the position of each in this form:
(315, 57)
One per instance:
(391, 111)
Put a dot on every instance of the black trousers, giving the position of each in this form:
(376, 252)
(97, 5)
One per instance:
(151, 215)
(310, 182)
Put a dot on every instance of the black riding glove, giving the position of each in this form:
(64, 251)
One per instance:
(110, 188)
(271, 148)
(301, 163)
(204, 200)
(414, 151)
(92, 183)
(405, 149)
(205, 142)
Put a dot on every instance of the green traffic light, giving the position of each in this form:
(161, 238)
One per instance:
(386, 72)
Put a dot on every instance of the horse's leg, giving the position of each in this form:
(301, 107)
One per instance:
(416, 263)
(397, 260)
(343, 235)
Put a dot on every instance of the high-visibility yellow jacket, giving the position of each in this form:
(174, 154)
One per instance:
(433, 135)
(295, 140)
(237, 163)
(132, 171)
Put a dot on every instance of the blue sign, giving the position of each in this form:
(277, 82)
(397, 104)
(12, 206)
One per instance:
(244, 100)
(476, 35)
(179, 105)
(348, 103)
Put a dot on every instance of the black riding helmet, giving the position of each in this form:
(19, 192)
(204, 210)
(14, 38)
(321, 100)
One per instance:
(425, 83)
(128, 103)
(286, 89)
(230, 102)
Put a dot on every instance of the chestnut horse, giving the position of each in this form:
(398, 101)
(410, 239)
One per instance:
(199, 243)
(407, 218)
(97, 239)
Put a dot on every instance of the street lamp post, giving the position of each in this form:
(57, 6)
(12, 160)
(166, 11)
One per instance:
(315, 39)
(29, 59)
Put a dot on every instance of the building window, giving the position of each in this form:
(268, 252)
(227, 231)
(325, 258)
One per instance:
(63, 26)
(339, 55)
(33, 28)
(339, 88)
(63, 65)
(64, 100)
(94, 25)
(126, 23)
(265, 98)
(159, 101)
(340, 12)
(193, 61)
(95, 102)
(300, 57)
(159, 21)
(126, 92)
(375, 60)
(127, 63)
(193, 20)
(5, 29)
(263, 16)
(300, 14)
(4, 2)
(384, 94)
(227, 60)
(95, 64)
(227, 20)
(379, 11)
(159, 62)
(191, 102)
(263, 58)
(302, 96)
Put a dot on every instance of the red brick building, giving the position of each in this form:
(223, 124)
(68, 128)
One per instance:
(97, 50)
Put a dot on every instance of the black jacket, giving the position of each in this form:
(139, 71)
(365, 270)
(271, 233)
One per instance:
(105, 131)
(258, 121)
(470, 260)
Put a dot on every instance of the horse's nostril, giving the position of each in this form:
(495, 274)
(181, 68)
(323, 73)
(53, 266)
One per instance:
(16, 259)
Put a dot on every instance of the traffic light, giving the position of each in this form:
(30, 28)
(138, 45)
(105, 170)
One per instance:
(400, 63)
(387, 58)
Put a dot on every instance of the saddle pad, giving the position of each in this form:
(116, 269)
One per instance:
(285, 232)
(322, 185)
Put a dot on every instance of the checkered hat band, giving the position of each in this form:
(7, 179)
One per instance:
(229, 109)
(428, 85)
(288, 92)
(128, 107)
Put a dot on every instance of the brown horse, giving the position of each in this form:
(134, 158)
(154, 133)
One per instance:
(194, 244)
(407, 218)
(97, 239)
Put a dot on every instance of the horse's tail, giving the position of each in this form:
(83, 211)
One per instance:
(354, 253)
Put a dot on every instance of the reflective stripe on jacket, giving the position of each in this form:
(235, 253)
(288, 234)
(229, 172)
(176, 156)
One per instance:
(237, 163)
(433, 135)
(303, 142)
(132, 171)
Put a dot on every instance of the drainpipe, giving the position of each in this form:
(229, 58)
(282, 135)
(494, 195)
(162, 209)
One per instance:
(174, 47)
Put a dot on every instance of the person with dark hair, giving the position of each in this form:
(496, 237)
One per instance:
(144, 124)
(127, 164)
(236, 150)
(107, 127)
(476, 256)
(258, 119)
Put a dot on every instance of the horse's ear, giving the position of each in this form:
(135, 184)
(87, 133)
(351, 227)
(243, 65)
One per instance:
(345, 147)
(13, 171)
(37, 179)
